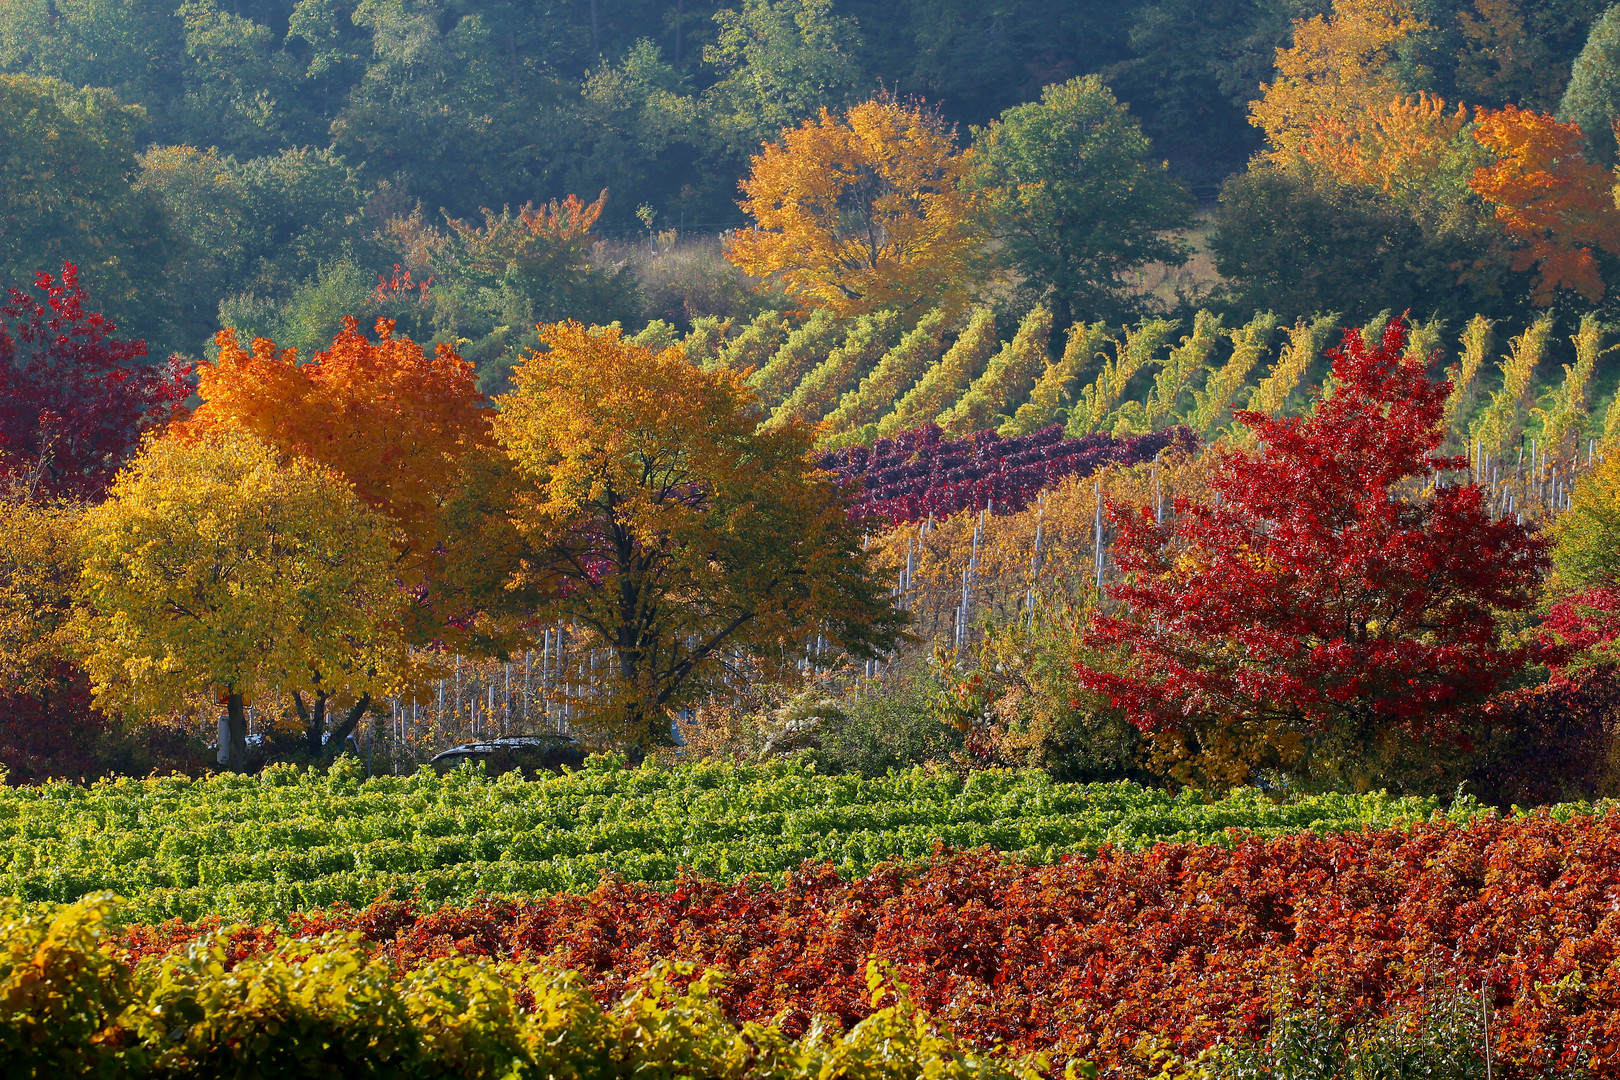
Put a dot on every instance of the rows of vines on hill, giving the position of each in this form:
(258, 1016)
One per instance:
(863, 379)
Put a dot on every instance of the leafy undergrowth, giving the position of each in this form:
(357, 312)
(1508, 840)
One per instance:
(265, 846)
(1178, 946)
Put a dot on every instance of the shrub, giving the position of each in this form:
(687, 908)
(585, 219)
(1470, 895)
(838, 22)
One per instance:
(888, 725)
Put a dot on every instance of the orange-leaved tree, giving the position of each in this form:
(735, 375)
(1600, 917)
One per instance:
(1340, 66)
(862, 211)
(675, 533)
(537, 240)
(1556, 204)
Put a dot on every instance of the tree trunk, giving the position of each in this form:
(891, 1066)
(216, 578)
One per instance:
(341, 733)
(236, 725)
(314, 718)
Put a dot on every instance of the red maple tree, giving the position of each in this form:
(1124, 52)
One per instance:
(74, 400)
(1341, 590)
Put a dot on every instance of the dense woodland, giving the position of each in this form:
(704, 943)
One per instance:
(260, 163)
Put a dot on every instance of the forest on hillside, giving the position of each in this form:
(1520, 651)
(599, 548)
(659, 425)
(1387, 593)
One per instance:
(272, 165)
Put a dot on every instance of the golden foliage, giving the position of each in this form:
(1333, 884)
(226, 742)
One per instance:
(39, 574)
(670, 529)
(1003, 572)
(1339, 67)
(861, 212)
(1549, 198)
(1404, 148)
(215, 562)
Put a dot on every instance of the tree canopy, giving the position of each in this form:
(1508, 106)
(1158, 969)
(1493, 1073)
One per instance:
(1322, 615)
(217, 566)
(862, 211)
(1077, 198)
(680, 536)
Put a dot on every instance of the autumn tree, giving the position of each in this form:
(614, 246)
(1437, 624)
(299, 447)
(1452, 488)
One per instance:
(392, 420)
(216, 565)
(47, 726)
(1553, 203)
(1340, 66)
(862, 211)
(1586, 548)
(1337, 611)
(74, 399)
(672, 530)
(1409, 148)
(1076, 198)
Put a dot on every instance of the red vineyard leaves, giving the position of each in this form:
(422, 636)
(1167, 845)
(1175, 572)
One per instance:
(1087, 957)
(917, 473)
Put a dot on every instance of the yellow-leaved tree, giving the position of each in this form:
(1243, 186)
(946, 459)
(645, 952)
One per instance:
(672, 530)
(1341, 66)
(863, 211)
(217, 566)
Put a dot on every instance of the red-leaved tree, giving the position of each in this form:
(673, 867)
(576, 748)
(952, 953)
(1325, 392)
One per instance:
(1336, 611)
(74, 400)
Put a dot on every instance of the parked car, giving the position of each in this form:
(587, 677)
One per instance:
(531, 753)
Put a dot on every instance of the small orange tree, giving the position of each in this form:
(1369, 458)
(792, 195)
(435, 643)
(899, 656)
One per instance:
(660, 519)
(1549, 198)
(1409, 147)
(383, 414)
(862, 211)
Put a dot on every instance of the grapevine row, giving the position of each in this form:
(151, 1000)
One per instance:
(918, 474)
(289, 839)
